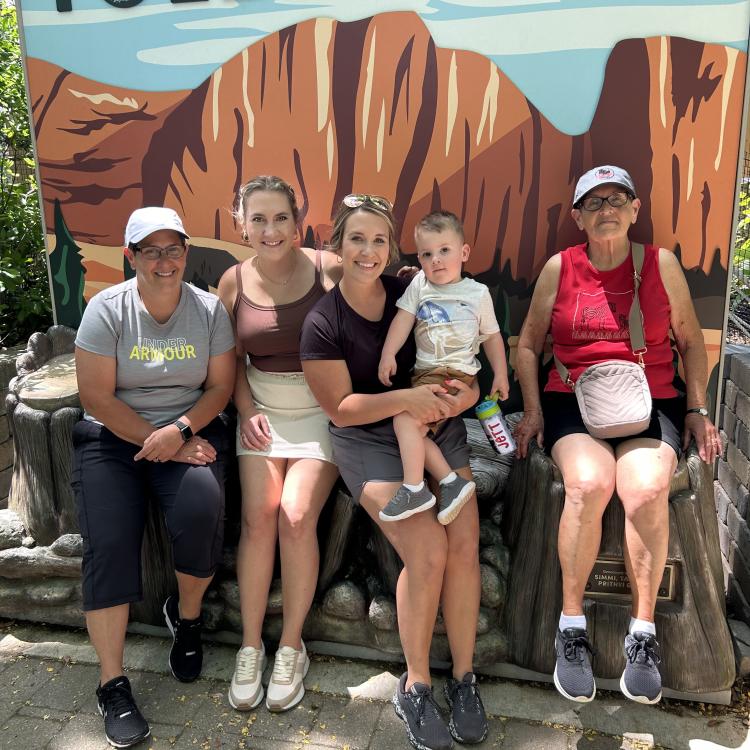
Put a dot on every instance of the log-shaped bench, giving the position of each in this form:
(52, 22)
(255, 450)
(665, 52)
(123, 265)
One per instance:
(697, 653)
(354, 611)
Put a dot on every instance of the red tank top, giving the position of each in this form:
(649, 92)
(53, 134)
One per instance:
(270, 334)
(590, 318)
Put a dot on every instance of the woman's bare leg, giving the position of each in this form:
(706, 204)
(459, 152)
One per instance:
(462, 584)
(262, 481)
(644, 472)
(107, 633)
(421, 543)
(307, 485)
(588, 469)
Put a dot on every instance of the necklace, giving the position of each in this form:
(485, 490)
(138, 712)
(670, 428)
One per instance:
(273, 281)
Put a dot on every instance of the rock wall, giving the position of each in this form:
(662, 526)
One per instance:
(732, 491)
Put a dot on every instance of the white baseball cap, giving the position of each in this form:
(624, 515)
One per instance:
(144, 221)
(606, 175)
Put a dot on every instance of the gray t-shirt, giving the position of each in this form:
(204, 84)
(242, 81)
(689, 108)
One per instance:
(161, 367)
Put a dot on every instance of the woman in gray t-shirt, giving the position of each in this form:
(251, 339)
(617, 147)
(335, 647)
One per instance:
(155, 367)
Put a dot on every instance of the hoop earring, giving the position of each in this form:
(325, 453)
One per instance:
(339, 259)
(244, 236)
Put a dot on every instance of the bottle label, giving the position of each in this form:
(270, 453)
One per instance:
(499, 435)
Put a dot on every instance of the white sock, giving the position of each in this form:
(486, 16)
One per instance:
(572, 621)
(414, 487)
(449, 478)
(641, 626)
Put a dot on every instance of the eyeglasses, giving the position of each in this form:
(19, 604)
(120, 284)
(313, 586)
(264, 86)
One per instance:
(595, 202)
(355, 200)
(152, 252)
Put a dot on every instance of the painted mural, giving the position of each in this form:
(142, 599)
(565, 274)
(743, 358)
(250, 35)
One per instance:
(489, 109)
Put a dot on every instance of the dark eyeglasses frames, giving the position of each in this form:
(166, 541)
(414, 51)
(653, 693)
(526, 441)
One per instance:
(595, 202)
(152, 252)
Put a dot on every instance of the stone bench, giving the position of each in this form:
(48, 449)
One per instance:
(354, 611)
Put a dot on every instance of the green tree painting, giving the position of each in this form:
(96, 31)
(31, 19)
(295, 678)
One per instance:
(67, 274)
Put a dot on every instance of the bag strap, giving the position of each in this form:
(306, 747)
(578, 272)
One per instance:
(635, 321)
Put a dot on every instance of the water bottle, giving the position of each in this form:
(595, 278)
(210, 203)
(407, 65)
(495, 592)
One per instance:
(494, 426)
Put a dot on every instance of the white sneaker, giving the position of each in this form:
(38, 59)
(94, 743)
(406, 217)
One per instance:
(286, 688)
(246, 691)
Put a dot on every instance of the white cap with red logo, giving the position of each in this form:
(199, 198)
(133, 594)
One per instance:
(144, 221)
(606, 175)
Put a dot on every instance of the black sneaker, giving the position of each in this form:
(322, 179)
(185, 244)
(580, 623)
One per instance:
(641, 680)
(417, 708)
(186, 654)
(468, 722)
(124, 724)
(573, 676)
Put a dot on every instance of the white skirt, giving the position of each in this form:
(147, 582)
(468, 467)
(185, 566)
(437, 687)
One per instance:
(299, 427)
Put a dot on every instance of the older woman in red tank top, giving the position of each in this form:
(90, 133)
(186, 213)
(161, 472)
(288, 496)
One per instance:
(283, 444)
(582, 298)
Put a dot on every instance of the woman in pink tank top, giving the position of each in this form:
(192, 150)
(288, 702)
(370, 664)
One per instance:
(582, 298)
(283, 443)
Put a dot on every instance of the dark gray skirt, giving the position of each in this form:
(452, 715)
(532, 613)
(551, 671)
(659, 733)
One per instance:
(369, 453)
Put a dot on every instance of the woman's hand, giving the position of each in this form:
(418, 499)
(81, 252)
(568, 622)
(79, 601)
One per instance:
(425, 403)
(707, 437)
(530, 426)
(161, 445)
(196, 451)
(255, 434)
(466, 396)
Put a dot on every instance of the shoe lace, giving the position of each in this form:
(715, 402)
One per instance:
(573, 647)
(247, 664)
(427, 707)
(467, 695)
(642, 652)
(284, 664)
(118, 700)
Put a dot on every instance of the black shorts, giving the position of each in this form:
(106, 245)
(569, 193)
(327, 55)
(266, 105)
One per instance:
(563, 417)
(112, 492)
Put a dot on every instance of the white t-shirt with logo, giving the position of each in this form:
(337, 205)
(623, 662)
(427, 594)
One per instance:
(161, 367)
(452, 321)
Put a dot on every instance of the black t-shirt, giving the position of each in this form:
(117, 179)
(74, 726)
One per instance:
(333, 330)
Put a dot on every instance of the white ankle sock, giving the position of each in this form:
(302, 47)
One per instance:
(414, 487)
(641, 626)
(572, 621)
(449, 478)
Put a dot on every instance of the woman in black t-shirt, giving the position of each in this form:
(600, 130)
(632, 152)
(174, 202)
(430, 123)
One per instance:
(342, 339)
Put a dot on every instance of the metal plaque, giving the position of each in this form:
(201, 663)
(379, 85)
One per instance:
(610, 579)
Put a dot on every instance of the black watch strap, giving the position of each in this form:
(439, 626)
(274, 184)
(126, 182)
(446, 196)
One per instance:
(184, 429)
(698, 410)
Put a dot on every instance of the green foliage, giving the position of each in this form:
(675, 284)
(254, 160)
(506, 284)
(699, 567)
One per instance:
(24, 290)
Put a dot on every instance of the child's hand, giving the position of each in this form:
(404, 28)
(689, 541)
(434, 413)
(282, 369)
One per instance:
(386, 368)
(500, 385)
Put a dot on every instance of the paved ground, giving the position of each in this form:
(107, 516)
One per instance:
(48, 676)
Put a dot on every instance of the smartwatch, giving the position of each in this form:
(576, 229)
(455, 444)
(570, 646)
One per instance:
(698, 410)
(184, 429)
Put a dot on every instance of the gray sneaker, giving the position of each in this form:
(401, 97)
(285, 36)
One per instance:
(453, 497)
(574, 678)
(641, 680)
(406, 503)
